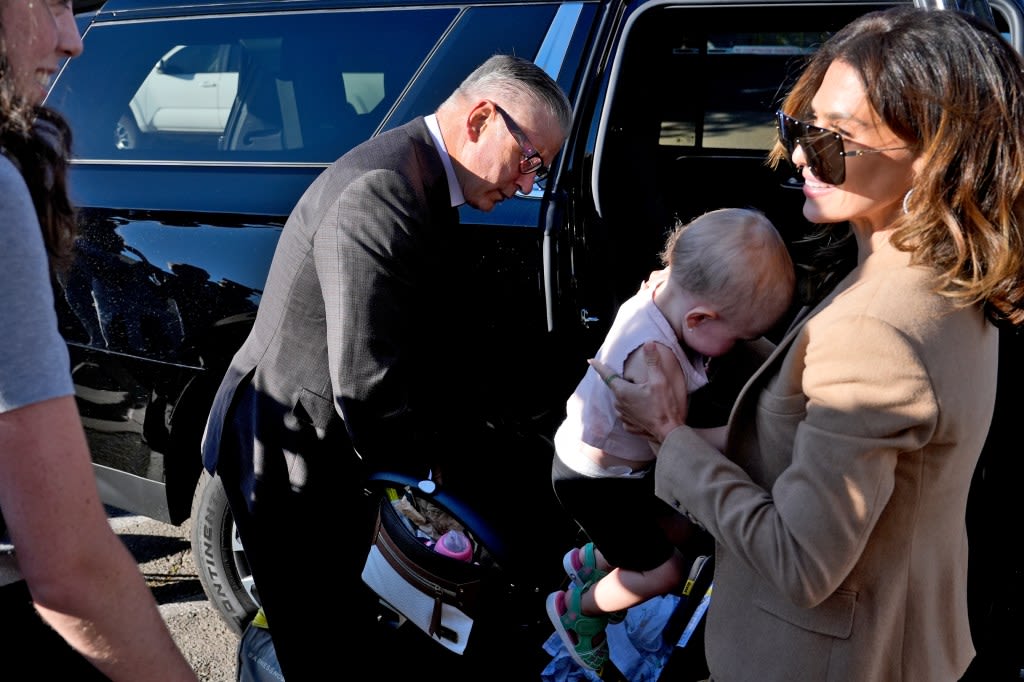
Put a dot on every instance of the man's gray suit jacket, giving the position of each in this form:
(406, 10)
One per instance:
(346, 339)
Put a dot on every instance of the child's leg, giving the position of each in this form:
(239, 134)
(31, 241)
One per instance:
(623, 589)
(580, 621)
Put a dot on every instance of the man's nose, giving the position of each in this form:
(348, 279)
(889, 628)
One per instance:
(524, 183)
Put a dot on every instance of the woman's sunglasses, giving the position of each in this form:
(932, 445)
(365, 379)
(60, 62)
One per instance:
(823, 148)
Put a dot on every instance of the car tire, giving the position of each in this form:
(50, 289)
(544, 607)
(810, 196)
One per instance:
(218, 555)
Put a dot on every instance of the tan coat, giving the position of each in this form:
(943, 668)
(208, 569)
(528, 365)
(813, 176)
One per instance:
(838, 510)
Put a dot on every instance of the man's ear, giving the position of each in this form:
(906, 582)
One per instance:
(699, 315)
(477, 120)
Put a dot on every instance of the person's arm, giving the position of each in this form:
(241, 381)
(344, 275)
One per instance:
(655, 406)
(860, 407)
(83, 580)
(715, 436)
(670, 411)
(375, 253)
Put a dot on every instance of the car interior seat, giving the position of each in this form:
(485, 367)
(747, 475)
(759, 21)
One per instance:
(255, 121)
(316, 113)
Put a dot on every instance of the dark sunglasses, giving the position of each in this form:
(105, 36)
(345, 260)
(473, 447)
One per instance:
(531, 161)
(824, 149)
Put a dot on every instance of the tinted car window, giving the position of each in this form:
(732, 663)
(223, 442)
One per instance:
(299, 87)
(661, 154)
(479, 33)
(191, 89)
(736, 111)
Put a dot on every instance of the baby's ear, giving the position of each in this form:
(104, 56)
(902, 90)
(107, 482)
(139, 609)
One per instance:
(698, 315)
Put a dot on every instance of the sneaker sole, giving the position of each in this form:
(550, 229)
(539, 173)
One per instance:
(556, 620)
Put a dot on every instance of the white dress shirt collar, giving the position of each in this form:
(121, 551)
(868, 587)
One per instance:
(453, 184)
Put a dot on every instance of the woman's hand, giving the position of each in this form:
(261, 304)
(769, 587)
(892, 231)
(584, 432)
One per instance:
(652, 408)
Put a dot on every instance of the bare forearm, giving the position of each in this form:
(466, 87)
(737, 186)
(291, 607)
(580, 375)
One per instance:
(83, 580)
(113, 621)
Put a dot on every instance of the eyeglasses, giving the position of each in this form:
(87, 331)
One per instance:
(531, 161)
(823, 148)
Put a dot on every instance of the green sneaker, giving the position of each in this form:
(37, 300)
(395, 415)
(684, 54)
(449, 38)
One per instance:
(582, 635)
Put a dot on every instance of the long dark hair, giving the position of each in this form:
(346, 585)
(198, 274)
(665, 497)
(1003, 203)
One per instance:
(38, 141)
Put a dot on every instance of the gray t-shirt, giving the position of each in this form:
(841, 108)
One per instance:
(34, 364)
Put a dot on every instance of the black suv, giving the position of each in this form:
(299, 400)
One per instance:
(198, 125)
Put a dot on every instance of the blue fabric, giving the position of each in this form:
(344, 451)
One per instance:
(635, 646)
(257, 660)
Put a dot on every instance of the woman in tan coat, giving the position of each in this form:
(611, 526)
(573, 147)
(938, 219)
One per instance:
(837, 492)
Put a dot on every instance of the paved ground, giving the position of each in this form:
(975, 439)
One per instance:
(165, 558)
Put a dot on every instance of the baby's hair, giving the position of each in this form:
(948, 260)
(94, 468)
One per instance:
(734, 257)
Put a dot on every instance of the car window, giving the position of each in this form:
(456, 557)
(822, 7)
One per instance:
(687, 120)
(479, 33)
(304, 86)
(191, 89)
(749, 73)
(724, 73)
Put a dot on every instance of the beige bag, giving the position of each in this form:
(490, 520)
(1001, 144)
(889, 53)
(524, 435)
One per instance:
(438, 594)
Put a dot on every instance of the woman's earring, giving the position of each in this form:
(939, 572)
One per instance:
(906, 201)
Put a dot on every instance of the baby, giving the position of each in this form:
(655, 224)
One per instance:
(729, 277)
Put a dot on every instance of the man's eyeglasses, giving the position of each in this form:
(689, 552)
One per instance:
(823, 148)
(531, 161)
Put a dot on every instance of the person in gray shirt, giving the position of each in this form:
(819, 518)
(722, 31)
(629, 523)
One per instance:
(73, 603)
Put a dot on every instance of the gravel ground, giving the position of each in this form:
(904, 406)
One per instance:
(165, 558)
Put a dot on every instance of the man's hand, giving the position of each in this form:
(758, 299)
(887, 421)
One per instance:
(652, 408)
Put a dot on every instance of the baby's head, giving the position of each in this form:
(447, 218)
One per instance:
(731, 278)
